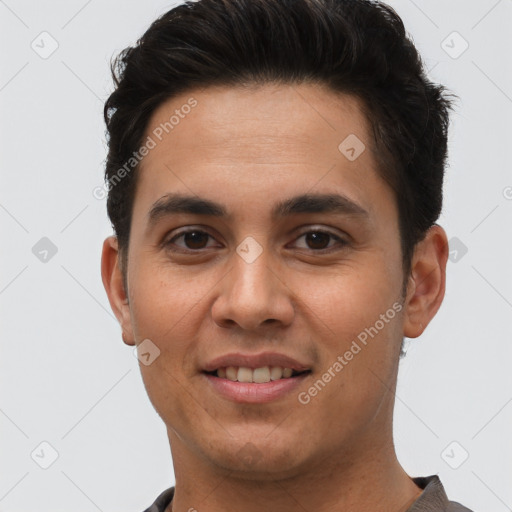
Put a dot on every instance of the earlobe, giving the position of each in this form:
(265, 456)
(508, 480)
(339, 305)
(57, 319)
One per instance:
(112, 278)
(427, 281)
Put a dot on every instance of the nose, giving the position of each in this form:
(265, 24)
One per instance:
(253, 295)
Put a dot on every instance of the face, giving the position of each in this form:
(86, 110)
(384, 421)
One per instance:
(261, 231)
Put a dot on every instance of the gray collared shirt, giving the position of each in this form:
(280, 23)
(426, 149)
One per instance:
(432, 499)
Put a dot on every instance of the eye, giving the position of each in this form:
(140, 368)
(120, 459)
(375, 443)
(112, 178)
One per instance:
(194, 239)
(318, 240)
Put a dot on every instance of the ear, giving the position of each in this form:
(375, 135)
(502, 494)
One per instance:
(426, 287)
(112, 278)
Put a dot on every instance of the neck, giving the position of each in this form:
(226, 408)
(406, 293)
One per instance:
(336, 481)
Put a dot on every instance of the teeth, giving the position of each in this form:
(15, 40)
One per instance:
(259, 375)
(231, 373)
(244, 374)
(276, 372)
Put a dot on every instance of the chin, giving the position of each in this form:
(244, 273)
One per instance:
(259, 458)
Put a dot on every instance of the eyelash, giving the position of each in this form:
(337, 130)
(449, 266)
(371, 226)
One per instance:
(169, 243)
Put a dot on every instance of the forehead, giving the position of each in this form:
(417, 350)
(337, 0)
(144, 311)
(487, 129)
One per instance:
(224, 119)
(269, 139)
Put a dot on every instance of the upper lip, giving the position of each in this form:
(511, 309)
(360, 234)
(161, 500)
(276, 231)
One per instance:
(255, 361)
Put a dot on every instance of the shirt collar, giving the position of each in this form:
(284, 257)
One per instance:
(432, 498)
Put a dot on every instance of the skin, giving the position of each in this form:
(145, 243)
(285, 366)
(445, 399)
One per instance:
(248, 148)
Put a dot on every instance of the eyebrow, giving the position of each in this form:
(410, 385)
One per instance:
(172, 204)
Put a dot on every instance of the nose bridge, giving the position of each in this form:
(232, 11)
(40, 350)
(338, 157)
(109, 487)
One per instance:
(252, 275)
(251, 293)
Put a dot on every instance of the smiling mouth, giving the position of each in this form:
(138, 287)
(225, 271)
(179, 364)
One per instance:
(256, 375)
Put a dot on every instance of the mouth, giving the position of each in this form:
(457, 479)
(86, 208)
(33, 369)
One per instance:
(244, 385)
(256, 375)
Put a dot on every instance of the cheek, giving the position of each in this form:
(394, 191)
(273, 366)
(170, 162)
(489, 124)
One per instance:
(164, 303)
(358, 364)
(168, 307)
(355, 314)
(345, 301)
(164, 309)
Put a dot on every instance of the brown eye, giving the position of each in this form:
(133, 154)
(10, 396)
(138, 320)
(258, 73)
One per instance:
(192, 240)
(195, 239)
(318, 240)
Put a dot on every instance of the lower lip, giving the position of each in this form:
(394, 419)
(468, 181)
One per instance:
(254, 393)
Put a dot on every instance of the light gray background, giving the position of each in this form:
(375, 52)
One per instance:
(67, 379)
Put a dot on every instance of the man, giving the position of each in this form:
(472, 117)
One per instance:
(275, 172)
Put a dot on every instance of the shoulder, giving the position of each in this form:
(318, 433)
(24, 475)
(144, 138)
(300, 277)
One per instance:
(454, 506)
(162, 501)
(434, 498)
